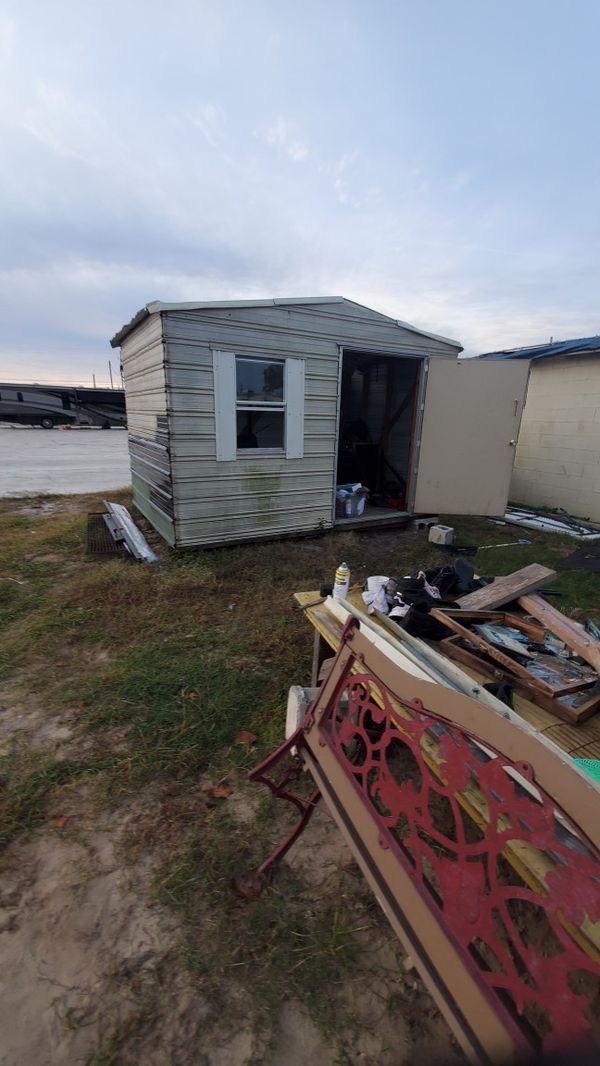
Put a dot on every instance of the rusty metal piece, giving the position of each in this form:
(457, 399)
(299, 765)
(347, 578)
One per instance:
(280, 788)
(480, 842)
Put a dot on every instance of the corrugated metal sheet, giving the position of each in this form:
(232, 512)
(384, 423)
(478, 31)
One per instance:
(579, 346)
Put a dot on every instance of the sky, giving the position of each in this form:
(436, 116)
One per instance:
(437, 160)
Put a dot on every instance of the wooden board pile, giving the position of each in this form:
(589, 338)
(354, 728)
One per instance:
(540, 653)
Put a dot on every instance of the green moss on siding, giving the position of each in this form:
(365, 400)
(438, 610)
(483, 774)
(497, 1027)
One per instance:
(264, 487)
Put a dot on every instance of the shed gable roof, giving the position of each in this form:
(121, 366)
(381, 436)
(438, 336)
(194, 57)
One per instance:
(159, 306)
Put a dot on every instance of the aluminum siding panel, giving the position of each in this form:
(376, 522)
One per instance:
(142, 359)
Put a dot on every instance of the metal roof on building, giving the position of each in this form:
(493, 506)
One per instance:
(544, 351)
(157, 306)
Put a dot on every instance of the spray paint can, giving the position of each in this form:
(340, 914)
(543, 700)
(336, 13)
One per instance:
(342, 582)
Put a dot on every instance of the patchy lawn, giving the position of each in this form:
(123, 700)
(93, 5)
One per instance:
(123, 688)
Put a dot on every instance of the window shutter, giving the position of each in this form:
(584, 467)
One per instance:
(225, 420)
(294, 397)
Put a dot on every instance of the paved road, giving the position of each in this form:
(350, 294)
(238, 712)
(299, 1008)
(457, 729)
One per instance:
(53, 460)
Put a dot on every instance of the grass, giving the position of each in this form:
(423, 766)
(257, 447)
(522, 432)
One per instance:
(162, 667)
(27, 778)
(289, 943)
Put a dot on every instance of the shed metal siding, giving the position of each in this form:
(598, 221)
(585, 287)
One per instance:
(251, 496)
(142, 358)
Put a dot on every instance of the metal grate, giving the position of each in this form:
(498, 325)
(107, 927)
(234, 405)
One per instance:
(98, 542)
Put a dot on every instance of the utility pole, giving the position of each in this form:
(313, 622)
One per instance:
(110, 372)
(94, 380)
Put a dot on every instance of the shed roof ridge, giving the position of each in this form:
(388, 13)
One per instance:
(158, 306)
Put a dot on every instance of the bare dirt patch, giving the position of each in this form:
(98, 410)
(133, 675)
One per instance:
(93, 967)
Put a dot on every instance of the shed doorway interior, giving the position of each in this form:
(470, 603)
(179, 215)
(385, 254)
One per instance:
(378, 404)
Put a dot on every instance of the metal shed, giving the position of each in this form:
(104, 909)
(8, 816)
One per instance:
(244, 416)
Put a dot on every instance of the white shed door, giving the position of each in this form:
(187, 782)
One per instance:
(470, 426)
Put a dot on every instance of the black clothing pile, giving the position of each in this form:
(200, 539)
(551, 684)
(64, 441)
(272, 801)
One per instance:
(410, 599)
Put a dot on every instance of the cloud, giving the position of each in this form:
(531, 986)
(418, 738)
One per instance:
(281, 134)
(8, 37)
(222, 153)
(210, 120)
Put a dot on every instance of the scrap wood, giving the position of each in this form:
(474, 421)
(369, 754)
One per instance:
(420, 654)
(508, 588)
(550, 673)
(509, 664)
(569, 676)
(533, 629)
(574, 635)
(566, 711)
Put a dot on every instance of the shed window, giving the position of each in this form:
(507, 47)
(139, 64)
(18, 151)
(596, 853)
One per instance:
(260, 403)
(259, 406)
(258, 380)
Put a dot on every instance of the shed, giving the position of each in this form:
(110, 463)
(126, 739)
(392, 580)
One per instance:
(557, 461)
(244, 415)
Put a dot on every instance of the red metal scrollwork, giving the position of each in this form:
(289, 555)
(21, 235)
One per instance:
(507, 874)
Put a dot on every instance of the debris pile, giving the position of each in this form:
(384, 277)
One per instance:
(532, 650)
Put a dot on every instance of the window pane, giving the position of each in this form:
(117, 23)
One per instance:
(259, 379)
(260, 429)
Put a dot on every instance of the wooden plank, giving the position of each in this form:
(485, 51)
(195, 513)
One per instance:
(511, 665)
(476, 616)
(548, 703)
(573, 634)
(505, 589)
(534, 630)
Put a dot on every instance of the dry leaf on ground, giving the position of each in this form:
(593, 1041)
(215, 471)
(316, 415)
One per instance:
(247, 886)
(220, 791)
(245, 737)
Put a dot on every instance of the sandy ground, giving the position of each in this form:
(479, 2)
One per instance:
(88, 953)
(36, 460)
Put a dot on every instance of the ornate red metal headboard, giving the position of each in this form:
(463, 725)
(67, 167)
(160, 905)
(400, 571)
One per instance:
(479, 839)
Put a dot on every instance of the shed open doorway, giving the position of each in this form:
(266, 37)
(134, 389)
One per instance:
(376, 429)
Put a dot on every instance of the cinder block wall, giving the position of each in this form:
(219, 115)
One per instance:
(558, 454)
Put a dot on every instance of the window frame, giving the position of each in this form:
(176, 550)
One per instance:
(262, 405)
